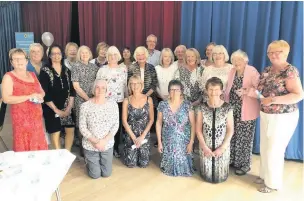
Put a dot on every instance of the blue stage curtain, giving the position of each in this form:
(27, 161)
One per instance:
(249, 26)
(10, 23)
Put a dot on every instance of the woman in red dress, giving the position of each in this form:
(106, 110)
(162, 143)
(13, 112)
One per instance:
(19, 88)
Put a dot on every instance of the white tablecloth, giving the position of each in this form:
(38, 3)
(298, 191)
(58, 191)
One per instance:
(32, 176)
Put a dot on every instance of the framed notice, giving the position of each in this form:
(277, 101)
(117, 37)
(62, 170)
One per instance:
(24, 40)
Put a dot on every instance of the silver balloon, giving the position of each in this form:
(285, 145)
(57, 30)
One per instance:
(47, 38)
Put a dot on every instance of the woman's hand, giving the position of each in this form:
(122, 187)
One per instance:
(190, 148)
(219, 151)
(101, 145)
(160, 147)
(60, 113)
(207, 151)
(139, 140)
(267, 101)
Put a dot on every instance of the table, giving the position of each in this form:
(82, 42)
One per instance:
(34, 175)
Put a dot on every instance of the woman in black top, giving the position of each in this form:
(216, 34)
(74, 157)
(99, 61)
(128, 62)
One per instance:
(55, 80)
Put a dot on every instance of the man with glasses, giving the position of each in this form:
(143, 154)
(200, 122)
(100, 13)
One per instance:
(154, 54)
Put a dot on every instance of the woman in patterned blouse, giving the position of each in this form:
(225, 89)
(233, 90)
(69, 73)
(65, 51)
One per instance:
(83, 77)
(116, 76)
(99, 122)
(280, 91)
(55, 80)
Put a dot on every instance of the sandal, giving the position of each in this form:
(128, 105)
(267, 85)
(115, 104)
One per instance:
(266, 189)
(241, 172)
(259, 180)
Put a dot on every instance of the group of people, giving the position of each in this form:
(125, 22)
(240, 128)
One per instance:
(111, 97)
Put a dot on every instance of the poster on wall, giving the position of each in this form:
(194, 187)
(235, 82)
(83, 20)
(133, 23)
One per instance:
(24, 40)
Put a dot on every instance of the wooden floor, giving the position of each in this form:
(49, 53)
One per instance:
(150, 184)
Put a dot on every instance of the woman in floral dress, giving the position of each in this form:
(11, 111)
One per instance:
(175, 131)
(137, 118)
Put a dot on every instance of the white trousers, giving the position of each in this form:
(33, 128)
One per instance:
(276, 131)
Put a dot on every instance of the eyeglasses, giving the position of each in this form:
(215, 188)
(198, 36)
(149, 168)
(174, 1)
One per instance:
(18, 59)
(177, 90)
(56, 53)
(274, 53)
(151, 41)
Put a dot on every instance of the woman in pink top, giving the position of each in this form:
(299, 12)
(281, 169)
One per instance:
(240, 92)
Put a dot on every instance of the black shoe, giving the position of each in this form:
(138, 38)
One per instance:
(155, 144)
(116, 154)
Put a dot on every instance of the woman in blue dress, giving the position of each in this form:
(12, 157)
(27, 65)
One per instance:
(175, 131)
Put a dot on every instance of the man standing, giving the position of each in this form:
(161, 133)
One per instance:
(154, 54)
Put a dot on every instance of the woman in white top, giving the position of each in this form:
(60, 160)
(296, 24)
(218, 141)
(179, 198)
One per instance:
(71, 53)
(219, 69)
(165, 72)
(127, 58)
(208, 54)
(116, 76)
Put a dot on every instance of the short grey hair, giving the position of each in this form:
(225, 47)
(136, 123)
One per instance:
(220, 49)
(113, 51)
(35, 45)
(82, 48)
(96, 82)
(141, 49)
(151, 35)
(180, 46)
(161, 56)
(239, 53)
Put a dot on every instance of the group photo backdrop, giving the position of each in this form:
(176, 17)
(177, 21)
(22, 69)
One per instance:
(249, 26)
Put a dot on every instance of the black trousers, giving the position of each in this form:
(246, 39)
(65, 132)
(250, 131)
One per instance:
(120, 129)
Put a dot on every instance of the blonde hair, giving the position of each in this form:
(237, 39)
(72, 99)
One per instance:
(101, 45)
(82, 48)
(96, 82)
(134, 77)
(239, 53)
(16, 51)
(280, 44)
(220, 49)
(161, 56)
(183, 47)
(68, 45)
(114, 51)
(35, 45)
(197, 55)
(141, 49)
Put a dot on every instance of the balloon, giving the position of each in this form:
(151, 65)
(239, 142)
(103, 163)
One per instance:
(47, 38)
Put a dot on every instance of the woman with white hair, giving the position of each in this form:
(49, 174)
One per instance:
(219, 69)
(116, 76)
(165, 72)
(240, 93)
(99, 122)
(35, 58)
(180, 52)
(70, 53)
(83, 76)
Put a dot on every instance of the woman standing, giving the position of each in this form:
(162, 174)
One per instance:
(83, 77)
(242, 83)
(214, 129)
(281, 88)
(71, 53)
(116, 76)
(208, 53)
(127, 59)
(22, 90)
(175, 129)
(56, 81)
(98, 124)
(35, 63)
(165, 73)
(101, 51)
(137, 118)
